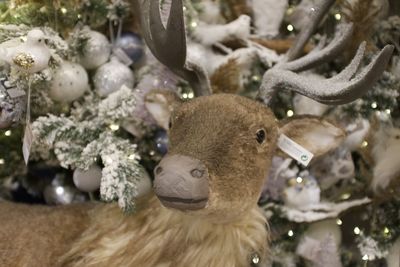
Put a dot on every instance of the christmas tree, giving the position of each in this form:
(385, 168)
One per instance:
(76, 125)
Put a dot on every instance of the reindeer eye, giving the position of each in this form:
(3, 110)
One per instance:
(260, 136)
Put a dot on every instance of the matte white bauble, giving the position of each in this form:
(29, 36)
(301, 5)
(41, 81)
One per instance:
(96, 52)
(88, 181)
(111, 76)
(70, 81)
(320, 231)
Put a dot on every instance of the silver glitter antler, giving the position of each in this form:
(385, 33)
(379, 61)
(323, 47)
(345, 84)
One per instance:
(340, 89)
(168, 44)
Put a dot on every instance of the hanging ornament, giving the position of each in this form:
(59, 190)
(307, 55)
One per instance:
(70, 82)
(144, 184)
(132, 45)
(96, 52)
(88, 181)
(59, 192)
(161, 140)
(31, 56)
(111, 76)
(301, 191)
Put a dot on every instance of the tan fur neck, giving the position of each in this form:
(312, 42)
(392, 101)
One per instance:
(159, 237)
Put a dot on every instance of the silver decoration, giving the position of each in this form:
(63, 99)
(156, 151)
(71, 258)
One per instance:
(97, 50)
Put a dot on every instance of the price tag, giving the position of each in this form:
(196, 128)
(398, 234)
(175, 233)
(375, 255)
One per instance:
(294, 150)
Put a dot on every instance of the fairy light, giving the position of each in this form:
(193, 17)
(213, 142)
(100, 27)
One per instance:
(63, 10)
(365, 257)
(364, 144)
(2, 161)
(193, 24)
(185, 95)
(79, 16)
(339, 222)
(386, 231)
(345, 196)
(255, 78)
(387, 111)
(290, 27)
(374, 105)
(356, 230)
(59, 190)
(109, 160)
(7, 133)
(299, 180)
(190, 95)
(114, 127)
(290, 233)
(338, 16)
(184, 8)
(131, 157)
(290, 113)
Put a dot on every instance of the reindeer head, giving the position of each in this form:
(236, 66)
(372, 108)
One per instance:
(221, 145)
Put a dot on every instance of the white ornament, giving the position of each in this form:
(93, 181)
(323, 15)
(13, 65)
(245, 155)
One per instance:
(32, 56)
(393, 257)
(302, 192)
(70, 81)
(144, 184)
(97, 50)
(320, 231)
(111, 76)
(88, 181)
(268, 15)
(356, 133)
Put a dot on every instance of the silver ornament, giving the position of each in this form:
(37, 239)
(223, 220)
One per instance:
(96, 52)
(88, 181)
(111, 76)
(70, 81)
(59, 192)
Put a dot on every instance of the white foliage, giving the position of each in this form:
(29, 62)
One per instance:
(370, 247)
(208, 34)
(386, 156)
(268, 15)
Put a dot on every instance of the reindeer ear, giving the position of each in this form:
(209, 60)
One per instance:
(160, 104)
(313, 133)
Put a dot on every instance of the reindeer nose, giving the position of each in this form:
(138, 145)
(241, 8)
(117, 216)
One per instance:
(181, 182)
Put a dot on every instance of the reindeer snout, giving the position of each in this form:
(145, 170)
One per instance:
(181, 182)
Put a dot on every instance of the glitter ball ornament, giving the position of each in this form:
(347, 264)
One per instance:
(111, 76)
(70, 82)
(59, 192)
(161, 140)
(132, 45)
(88, 181)
(96, 52)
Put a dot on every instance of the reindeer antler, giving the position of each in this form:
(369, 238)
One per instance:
(339, 89)
(168, 44)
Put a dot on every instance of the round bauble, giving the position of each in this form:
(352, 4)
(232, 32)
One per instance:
(144, 184)
(70, 81)
(132, 45)
(96, 52)
(88, 181)
(111, 76)
(161, 140)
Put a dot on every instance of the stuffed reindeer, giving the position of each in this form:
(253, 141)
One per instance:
(204, 208)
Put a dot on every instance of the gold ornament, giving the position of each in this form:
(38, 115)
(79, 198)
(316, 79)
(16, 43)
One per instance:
(24, 60)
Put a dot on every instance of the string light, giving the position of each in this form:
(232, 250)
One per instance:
(63, 10)
(131, 157)
(7, 133)
(345, 196)
(386, 231)
(290, 233)
(299, 180)
(364, 144)
(357, 230)
(1, 161)
(59, 190)
(190, 95)
(193, 24)
(339, 222)
(290, 27)
(374, 105)
(114, 127)
(185, 95)
(365, 257)
(109, 160)
(387, 111)
(338, 16)
(290, 113)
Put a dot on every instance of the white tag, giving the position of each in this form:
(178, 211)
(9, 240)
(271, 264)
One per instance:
(294, 150)
(122, 56)
(27, 142)
(14, 93)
